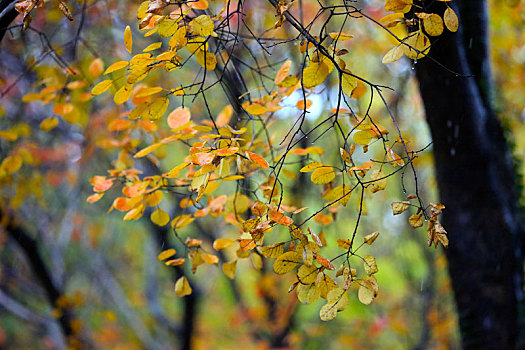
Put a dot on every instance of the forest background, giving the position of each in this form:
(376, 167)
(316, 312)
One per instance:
(73, 274)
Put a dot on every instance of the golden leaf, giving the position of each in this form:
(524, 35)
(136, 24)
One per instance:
(286, 262)
(366, 293)
(222, 243)
(128, 39)
(325, 284)
(415, 220)
(101, 87)
(123, 94)
(116, 66)
(230, 268)
(48, 123)
(369, 239)
(417, 46)
(159, 217)
(370, 265)
(393, 54)
(308, 294)
(399, 207)
(451, 20)
(378, 182)
(182, 287)
(323, 175)
(315, 74)
(202, 25)
(307, 274)
(272, 251)
(433, 25)
(168, 253)
(309, 167)
(337, 300)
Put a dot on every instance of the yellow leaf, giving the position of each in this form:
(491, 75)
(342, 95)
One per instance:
(153, 46)
(210, 259)
(398, 5)
(337, 300)
(369, 239)
(256, 261)
(307, 274)
(160, 218)
(116, 66)
(168, 253)
(340, 36)
(326, 284)
(348, 83)
(179, 40)
(148, 91)
(202, 25)
(101, 87)
(345, 156)
(315, 74)
(366, 293)
(182, 287)
(48, 124)
(415, 220)
(175, 171)
(433, 25)
(399, 207)
(309, 167)
(272, 251)
(145, 151)
(11, 164)
(392, 17)
(418, 46)
(230, 268)
(393, 54)
(157, 108)
(286, 262)
(254, 108)
(323, 175)
(451, 20)
(222, 243)
(135, 213)
(175, 262)
(362, 137)
(206, 60)
(370, 265)
(308, 294)
(378, 182)
(128, 40)
(123, 94)
(283, 72)
(167, 27)
(182, 221)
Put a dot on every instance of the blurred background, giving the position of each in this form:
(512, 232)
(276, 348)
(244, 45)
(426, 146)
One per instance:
(74, 275)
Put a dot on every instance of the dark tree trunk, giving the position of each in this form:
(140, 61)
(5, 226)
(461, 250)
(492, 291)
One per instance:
(476, 182)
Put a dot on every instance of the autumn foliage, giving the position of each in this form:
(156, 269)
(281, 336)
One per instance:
(247, 138)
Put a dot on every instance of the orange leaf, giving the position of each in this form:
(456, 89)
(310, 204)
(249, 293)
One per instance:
(201, 158)
(179, 117)
(94, 197)
(280, 218)
(246, 244)
(325, 262)
(257, 159)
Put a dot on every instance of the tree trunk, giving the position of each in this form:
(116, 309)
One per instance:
(477, 183)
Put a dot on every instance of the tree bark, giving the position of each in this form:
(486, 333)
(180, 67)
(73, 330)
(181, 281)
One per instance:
(477, 183)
